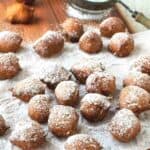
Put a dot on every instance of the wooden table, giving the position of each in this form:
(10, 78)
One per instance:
(48, 14)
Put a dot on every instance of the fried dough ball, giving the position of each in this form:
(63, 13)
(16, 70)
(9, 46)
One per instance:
(39, 107)
(84, 68)
(142, 64)
(67, 93)
(9, 66)
(138, 79)
(135, 99)
(81, 142)
(121, 44)
(94, 107)
(73, 28)
(55, 75)
(125, 126)
(49, 44)
(19, 13)
(28, 88)
(9, 41)
(3, 126)
(111, 25)
(63, 120)
(28, 135)
(91, 42)
(101, 82)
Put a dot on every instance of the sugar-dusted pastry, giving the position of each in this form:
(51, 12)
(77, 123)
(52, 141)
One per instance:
(9, 66)
(83, 68)
(101, 82)
(124, 126)
(91, 42)
(3, 126)
(73, 29)
(39, 107)
(9, 41)
(94, 107)
(67, 93)
(111, 25)
(55, 75)
(142, 64)
(49, 44)
(81, 142)
(135, 99)
(63, 120)
(19, 13)
(121, 44)
(28, 135)
(27, 88)
(138, 79)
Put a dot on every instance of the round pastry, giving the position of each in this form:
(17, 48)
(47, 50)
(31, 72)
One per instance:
(121, 44)
(101, 82)
(28, 135)
(19, 13)
(91, 42)
(142, 64)
(81, 142)
(135, 99)
(49, 44)
(55, 75)
(9, 41)
(3, 126)
(28, 88)
(67, 93)
(111, 25)
(73, 29)
(9, 66)
(94, 107)
(84, 68)
(63, 120)
(39, 107)
(124, 126)
(138, 79)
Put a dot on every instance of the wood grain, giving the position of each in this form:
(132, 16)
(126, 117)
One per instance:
(48, 14)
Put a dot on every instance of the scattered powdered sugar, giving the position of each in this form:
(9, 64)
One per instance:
(96, 99)
(67, 89)
(40, 103)
(81, 138)
(123, 121)
(27, 131)
(90, 34)
(9, 36)
(62, 115)
(29, 86)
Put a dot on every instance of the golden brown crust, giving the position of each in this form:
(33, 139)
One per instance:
(101, 82)
(19, 13)
(9, 66)
(63, 120)
(121, 44)
(135, 99)
(38, 108)
(49, 44)
(73, 29)
(3, 126)
(9, 41)
(67, 93)
(111, 25)
(124, 126)
(90, 42)
(94, 107)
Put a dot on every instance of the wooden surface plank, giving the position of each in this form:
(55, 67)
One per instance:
(48, 14)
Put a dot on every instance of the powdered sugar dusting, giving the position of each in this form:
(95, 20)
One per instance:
(96, 99)
(123, 121)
